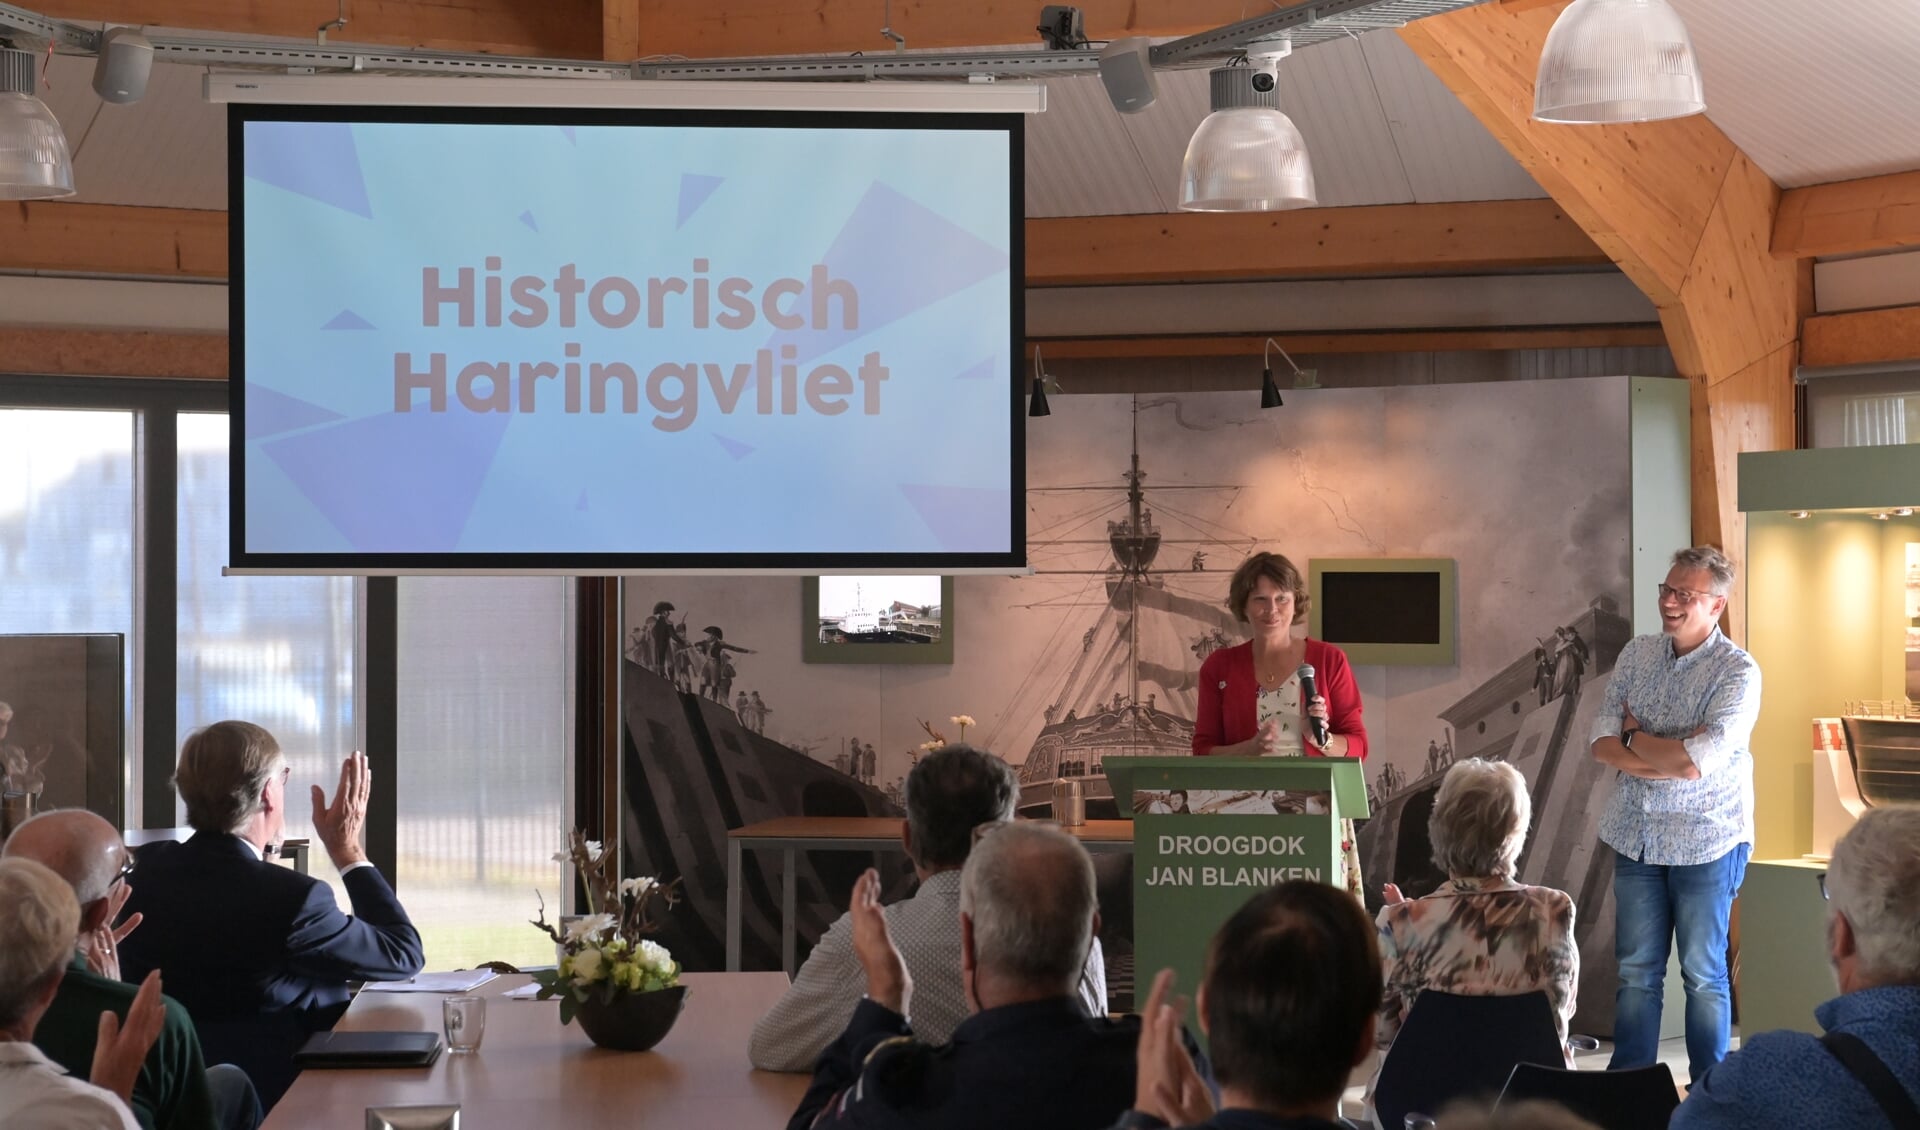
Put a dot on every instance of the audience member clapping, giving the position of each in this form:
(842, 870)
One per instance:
(1287, 1002)
(1482, 933)
(1865, 1072)
(39, 919)
(1029, 1055)
(950, 792)
(175, 1090)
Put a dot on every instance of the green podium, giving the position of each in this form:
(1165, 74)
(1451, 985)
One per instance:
(1210, 832)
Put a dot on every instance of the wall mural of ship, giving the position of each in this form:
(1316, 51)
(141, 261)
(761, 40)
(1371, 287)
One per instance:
(1096, 654)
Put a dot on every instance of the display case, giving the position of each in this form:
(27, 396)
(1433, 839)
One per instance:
(1833, 619)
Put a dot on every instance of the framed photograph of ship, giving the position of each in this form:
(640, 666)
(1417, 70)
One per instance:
(876, 619)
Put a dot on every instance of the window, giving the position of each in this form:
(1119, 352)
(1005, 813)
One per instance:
(485, 691)
(275, 651)
(1863, 409)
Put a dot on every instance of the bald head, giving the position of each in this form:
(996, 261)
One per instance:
(1028, 888)
(76, 845)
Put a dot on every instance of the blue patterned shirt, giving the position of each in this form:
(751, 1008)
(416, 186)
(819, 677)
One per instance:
(1716, 686)
(1788, 1079)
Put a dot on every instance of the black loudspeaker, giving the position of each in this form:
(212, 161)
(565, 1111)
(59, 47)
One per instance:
(1126, 71)
(126, 59)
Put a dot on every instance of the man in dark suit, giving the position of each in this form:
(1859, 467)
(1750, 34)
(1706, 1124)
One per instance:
(261, 955)
(1029, 1055)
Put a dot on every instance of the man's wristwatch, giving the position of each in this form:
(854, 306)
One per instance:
(1626, 736)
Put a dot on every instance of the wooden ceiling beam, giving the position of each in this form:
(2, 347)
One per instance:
(1865, 337)
(110, 239)
(1684, 213)
(1849, 216)
(113, 353)
(1409, 239)
(564, 29)
(1396, 341)
(1395, 239)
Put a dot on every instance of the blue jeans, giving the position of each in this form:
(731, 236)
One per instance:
(235, 1105)
(1654, 904)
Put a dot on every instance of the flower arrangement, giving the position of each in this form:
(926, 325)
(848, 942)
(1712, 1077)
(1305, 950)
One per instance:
(606, 953)
(938, 740)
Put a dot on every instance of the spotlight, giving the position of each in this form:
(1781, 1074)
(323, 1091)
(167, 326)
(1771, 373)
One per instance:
(1903, 512)
(1882, 516)
(1803, 513)
(34, 161)
(1037, 405)
(1269, 391)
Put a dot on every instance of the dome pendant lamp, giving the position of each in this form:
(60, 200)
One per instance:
(1610, 62)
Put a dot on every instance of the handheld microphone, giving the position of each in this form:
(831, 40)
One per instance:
(1317, 727)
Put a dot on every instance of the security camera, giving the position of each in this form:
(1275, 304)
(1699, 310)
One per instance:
(1263, 82)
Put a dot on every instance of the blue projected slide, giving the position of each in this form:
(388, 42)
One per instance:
(468, 338)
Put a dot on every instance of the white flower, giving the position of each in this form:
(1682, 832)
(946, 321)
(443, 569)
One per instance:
(588, 926)
(936, 744)
(585, 964)
(654, 957)
(593, 849)
(560, 857)
(637, 886)
(964, 720)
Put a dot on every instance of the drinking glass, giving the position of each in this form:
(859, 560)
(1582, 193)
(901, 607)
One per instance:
(466, 1020)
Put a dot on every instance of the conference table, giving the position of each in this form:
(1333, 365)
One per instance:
(532, 1072)
(792, 834)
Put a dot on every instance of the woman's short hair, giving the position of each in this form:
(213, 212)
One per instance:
(1480, 818)
(36, 933)
(223, 773)
(1274, 568)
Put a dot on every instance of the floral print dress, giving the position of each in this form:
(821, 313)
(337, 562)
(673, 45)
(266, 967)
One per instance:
(1282, 704)
(1478, 937)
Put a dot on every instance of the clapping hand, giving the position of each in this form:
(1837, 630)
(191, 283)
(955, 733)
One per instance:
(1267, 740)
(888, 983)
(121, 1048)
(340, 823)
(1390, 894)
(101, 947)
(1167, 1085)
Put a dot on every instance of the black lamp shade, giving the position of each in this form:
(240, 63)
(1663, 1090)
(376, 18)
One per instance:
(1269, 392)
(1037, 406)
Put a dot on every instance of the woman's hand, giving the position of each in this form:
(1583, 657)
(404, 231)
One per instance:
(1266, 743)
(1317, 708)
(1390, 894)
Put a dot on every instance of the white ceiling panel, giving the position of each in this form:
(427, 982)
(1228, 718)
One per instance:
(1447, 154)
(168, 150)
(1080, 158)
(1813, 92)
(1328, 93)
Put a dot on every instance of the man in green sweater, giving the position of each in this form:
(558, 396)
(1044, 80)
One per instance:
(175, 1089)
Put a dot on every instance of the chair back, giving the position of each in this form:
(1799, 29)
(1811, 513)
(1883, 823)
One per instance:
(1628, 1099)
(1452, 1046)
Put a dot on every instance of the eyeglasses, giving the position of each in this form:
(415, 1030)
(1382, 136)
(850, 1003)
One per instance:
(126, 869)
(1682, 596)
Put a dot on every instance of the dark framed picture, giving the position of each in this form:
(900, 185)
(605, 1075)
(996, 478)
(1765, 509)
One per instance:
(876, 619)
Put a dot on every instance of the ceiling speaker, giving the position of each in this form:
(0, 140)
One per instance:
(126, 59)
(1126, 70)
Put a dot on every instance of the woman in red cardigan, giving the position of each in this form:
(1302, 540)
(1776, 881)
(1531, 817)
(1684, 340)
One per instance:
(1249, 696)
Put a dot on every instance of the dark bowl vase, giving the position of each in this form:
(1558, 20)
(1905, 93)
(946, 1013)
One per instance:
(631, 1022)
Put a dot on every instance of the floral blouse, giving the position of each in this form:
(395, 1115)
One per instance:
(1478, 937)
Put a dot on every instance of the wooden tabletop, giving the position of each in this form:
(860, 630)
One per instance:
(888, 827)
(531, 1072)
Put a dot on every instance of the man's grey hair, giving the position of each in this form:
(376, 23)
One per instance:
(950, 792)
(1479, 820)
(1874, 881)
(1028, 889)
(5, 710)
(68, 842)
(1707, 559)
(36, 934)
(223, 774)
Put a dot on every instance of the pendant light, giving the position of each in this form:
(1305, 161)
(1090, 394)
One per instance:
(1616, 61)
(34, 161)
(1246, 156)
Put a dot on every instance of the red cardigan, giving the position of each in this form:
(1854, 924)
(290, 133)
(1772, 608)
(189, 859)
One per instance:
(1228, 690)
